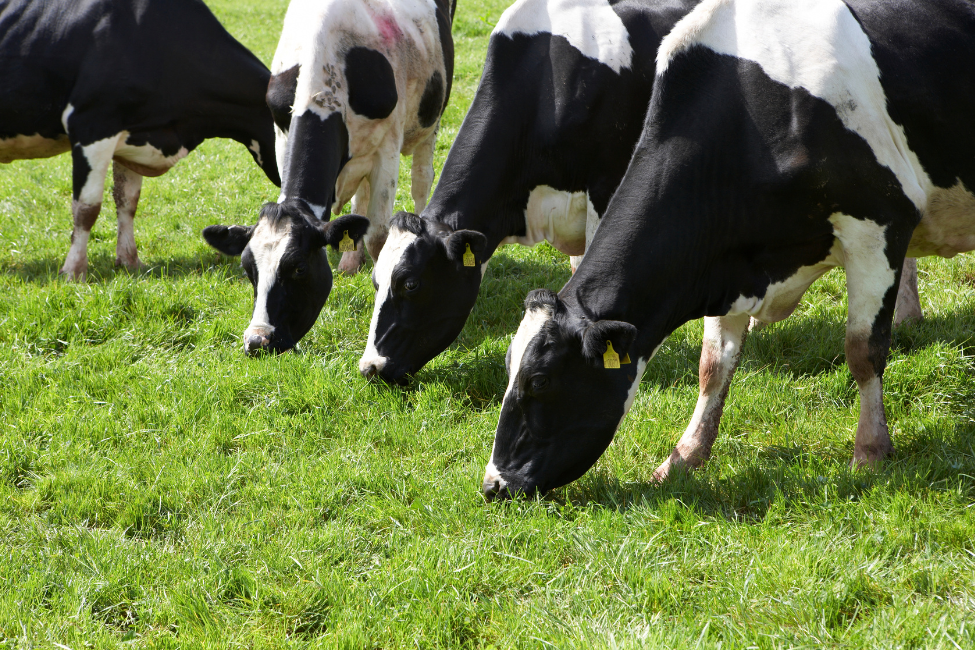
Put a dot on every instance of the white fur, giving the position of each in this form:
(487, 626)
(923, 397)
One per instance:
(396, 245)
(814, 44)
(529, 328)
(590, 26)
(868, 273)
(22, 147)
(316, 36)
(268, 245)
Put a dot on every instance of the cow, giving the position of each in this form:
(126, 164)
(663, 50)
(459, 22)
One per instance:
(545, 143)
(782, 139)
(131, 81)
(354, 84)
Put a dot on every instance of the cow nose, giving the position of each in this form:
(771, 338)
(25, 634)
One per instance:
(255, 344)
(493, 486)
(370, 368)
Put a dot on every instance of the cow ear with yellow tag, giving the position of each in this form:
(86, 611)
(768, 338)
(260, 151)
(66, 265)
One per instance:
(607, 343)
(466, 248)
(344, 233)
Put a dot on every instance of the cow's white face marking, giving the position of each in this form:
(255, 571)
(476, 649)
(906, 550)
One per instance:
(557, 217)
(590, 26)
(816, 45)
(529, 328)
(396, 244)
(268, 245)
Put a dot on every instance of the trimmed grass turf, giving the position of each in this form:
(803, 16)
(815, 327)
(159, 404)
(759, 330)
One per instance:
(159, 490)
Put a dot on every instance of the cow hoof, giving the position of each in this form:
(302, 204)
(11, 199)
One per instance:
(129, 264)
(351, 262)
(870, 458)
(74, 275)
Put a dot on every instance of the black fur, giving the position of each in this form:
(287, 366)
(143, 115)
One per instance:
(372, 84)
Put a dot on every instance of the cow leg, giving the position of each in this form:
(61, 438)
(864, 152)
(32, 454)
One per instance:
(592, 222)
(720, 352)
(421, 172)
(127, 185)
(352, 261)
(908, 298)
(871, 282)
(89, 168)
(382, 195)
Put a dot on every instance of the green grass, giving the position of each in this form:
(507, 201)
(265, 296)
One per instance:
(159, 490)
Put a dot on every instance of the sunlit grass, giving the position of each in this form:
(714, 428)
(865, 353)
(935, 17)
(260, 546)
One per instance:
(158, 488)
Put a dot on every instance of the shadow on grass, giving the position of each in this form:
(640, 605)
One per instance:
(791, 477)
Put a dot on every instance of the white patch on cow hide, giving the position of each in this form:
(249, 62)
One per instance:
(868, 272)
(65, 116)
(641, 365)
(556, 217)
(817, 45)
(396, 244)
(255, 146)
(590, 26)
(529, 328)
(147, 159)
(268, 245)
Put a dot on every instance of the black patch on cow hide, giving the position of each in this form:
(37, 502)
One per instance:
(281, 96)
(431, 103)
(372, 84)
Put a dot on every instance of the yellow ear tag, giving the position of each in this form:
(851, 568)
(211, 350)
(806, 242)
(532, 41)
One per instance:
(610, 359)
(346, 245)
(626, 359)
(468, 257)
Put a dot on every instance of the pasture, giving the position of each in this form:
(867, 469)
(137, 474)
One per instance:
(158, 489)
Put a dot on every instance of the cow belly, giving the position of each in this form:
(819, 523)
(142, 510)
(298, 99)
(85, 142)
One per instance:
(557, 217)
(147, 160)
(948, 225)
(782, 298)
(22, 147)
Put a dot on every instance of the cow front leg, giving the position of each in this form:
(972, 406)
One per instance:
(720, 352)
(89, 168)
(127, 185)
(908, 298)
(353, 260)
(421, 172)
(871, 283)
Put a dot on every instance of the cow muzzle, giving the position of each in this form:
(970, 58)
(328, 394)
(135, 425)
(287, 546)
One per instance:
(257, 341)
(370, 368)
(493, 486)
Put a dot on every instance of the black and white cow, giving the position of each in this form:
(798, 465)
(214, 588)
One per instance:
(545, 143)
(783, 139)
(141, 83)
(355, 83)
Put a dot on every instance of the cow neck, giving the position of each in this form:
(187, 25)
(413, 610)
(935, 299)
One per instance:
(646, 269)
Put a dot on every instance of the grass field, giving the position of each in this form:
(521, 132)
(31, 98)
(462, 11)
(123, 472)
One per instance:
(160, 490)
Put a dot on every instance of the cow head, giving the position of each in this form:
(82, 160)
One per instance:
(426, 278)
(284, 258)
(563, 404)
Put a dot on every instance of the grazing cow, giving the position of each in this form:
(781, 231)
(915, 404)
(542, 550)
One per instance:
(543, 147)
(355, 83)
(783, 139)
(141, 83)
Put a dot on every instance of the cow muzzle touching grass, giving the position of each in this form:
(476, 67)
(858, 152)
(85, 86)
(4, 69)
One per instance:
(285, 260)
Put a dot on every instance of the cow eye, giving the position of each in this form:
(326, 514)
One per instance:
(538, 383)
(411, 284)
(299, 270)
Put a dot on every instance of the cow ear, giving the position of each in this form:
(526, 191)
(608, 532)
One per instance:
(466, 247)
(229, 240)
(597, 338)
(348, 227)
